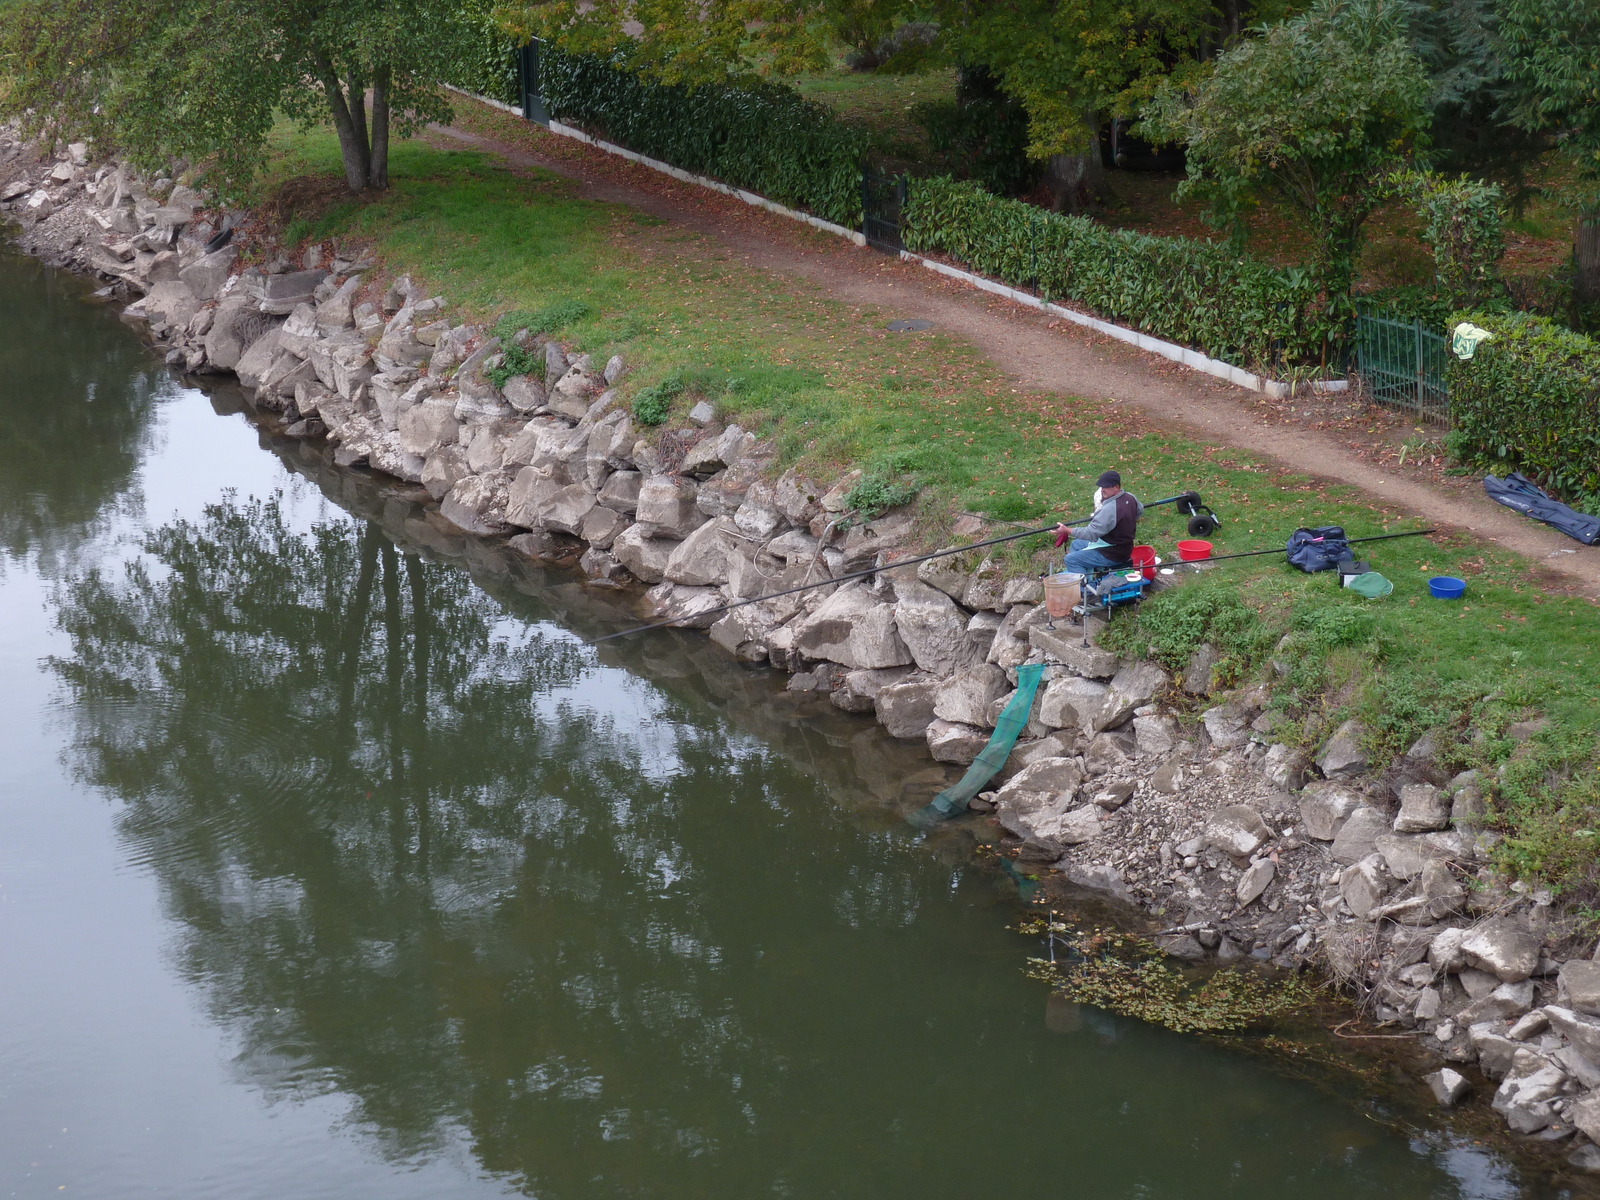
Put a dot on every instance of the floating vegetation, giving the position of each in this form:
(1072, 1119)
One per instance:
(1130, 976)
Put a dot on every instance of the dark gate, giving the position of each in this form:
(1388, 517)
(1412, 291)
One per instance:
(1403, 364)
(883, 196)
(532, 97)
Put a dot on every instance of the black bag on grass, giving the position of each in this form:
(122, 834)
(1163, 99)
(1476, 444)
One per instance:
(1319, 549)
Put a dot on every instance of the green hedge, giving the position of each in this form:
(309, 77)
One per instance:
(1200, 294)
(1529, 400)
(483, 59)
(757, 136)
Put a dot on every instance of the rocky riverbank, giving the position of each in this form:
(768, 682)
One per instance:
(1164, 792)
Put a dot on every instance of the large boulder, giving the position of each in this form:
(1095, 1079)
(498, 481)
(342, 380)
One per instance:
(666, 507)
(237, 327)
(255, 361)
(429, 425)
(1324, 808)
(645, 556)
(1505, 947)
(207, 276)
(1344, 756)
(933, 628)
(1237, 830)
(1358, 836)
(170, 303)
(530, 495)
(701, 559)
(565, 511)
(1133, 686)
(950, 742)
(476, 504)
(1065, 646)
(278, 294)
(1069, 702)
(1580, 984)
(1582, 1031)
(1058, 777)
(905, 709)
(853, 628)
(1364, 885)
(1423, 808)
(969, 696)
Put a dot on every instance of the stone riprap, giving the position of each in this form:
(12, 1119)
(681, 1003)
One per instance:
(1146, 788)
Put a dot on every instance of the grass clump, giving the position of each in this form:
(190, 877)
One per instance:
(876, 494)
(528, 360)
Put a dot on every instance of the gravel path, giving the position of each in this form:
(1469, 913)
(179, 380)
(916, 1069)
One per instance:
(1323, 439)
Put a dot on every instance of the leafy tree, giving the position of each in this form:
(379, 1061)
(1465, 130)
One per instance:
(1552, 55)
(1320, 111)
(205, 79)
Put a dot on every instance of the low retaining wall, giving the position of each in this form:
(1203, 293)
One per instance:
(1144, 787)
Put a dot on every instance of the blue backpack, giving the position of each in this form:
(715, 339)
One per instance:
(1319, 549)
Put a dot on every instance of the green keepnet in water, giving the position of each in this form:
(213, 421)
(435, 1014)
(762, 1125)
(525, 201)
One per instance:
(987, 765)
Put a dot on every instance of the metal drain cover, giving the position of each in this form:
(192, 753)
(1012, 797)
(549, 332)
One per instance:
(914, 325)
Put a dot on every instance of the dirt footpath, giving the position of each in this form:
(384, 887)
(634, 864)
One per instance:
(1317, 438)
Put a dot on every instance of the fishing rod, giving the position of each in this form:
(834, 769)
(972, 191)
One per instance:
(806, 587)
(1184, 500)
(1377, 537)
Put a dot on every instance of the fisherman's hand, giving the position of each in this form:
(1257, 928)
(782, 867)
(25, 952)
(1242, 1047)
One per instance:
(1066, 529)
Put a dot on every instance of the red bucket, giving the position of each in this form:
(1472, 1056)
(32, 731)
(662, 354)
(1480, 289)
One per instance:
(1144, 557)
(1194, 551)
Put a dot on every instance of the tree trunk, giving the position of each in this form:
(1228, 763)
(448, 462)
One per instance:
(378, 168)
(353, 146)
(1076, 182)
(1586, 258)
(355, 98)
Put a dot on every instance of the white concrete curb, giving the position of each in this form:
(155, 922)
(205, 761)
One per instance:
(1193, 359)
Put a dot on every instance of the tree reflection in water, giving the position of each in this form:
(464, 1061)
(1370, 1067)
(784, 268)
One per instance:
(419, 859)
(76, 394)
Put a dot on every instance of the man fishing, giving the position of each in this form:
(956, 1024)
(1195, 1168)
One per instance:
(1107, 541)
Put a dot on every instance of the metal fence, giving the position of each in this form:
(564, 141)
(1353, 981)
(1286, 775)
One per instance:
(883, 198)
(1402, 364)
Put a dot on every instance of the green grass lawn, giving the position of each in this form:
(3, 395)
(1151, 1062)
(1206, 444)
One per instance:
(835, 389)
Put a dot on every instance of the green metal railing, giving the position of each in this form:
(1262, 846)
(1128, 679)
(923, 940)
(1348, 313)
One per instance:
(1402, 364)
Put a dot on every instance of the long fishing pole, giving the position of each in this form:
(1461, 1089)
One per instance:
(806, 587)
(1377, 537)
(911, 562)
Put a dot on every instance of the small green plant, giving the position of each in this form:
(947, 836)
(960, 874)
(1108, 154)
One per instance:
(876, 494)
(522, 360)
(653, 405)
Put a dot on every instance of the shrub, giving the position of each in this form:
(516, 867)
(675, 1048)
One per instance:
(1464, 221)
(653, 405)
(876, 494)
(1527, 401)
(1201, 294)
(755, 135)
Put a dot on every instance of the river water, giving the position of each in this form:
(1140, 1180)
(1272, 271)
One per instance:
(333, 863)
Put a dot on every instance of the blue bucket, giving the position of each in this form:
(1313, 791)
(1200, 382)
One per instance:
(1447, 587)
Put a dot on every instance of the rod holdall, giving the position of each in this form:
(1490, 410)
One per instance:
(1320, 549)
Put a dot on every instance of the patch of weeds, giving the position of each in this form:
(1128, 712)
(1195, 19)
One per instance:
(1173, 624)
(1130, 976)
(552, 318)
(518, 360)
(876, 494)
(653, 405)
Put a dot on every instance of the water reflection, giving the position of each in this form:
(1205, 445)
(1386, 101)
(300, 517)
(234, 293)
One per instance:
(424, 849)
(76, 395)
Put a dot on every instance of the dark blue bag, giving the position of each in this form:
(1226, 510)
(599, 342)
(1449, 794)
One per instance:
(1319, 549)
